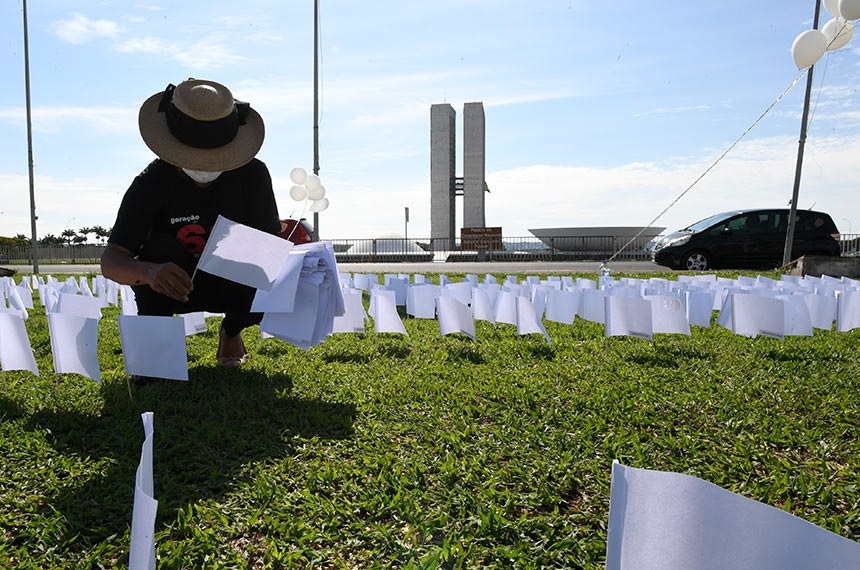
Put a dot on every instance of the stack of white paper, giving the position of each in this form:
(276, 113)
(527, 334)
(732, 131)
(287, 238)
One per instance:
(306, 298)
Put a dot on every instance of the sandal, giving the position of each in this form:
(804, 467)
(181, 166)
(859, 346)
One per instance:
(230, 361)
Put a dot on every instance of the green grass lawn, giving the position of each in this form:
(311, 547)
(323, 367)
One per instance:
(419, 451)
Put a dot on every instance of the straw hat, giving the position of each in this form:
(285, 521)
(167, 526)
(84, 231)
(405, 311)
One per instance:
(199, 126)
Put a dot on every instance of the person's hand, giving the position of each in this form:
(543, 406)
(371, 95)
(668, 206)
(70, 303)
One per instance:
(171, 280)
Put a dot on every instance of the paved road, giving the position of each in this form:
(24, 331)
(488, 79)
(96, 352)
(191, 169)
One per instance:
(494, 267)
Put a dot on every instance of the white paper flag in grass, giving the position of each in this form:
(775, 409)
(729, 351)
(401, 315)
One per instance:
(668, 315)
(506, 308)
(421, 301)
(670, 521)
(455, 317)
(753, 315)
(385, 318)
(628, 316)
(15, 350)
(482, 308)
(74, 345)
(195, 323)
(352, 321)
(848, 312)
(528, 321)
(154, 346)
(822, 310)
(79, 305)
(243, 254)
(142, 552)
(561, 306)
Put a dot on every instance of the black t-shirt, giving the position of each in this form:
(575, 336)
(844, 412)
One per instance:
(164, 216)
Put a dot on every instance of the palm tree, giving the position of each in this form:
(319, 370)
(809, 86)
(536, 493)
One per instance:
(69, 234)
(101, 233)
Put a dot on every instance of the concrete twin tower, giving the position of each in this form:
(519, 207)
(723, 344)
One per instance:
(444, 184)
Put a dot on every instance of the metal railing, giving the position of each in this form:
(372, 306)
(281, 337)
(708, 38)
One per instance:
(527, 248)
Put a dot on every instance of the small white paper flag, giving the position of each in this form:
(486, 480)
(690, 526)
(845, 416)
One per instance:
(455, 317)
(128, 301)
(15, 302)
(142, 552)
(195, 323)
(628, 316)
(848, 311)
(527, 320)
(15, 350)
(74, 344)
(561, 306)
(386, 319)
(421, 301)
(506, 308)
(26, 295)
(244, 254)
(154, 346)
(461, 291)
(79, 305)
(352, 321)
(797, 319)
(592, 306)
(756, 314)
(668, 315)
(822, 310)
(482, 308)
(671, 521)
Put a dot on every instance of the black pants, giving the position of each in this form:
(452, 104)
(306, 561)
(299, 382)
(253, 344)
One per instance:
(211, 294)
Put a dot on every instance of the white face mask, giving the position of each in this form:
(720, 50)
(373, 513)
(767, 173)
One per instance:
(201, 176)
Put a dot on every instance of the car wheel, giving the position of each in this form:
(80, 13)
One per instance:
(696, 261)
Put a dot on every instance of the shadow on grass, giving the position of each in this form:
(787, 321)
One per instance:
(667, 356)
(207, 431)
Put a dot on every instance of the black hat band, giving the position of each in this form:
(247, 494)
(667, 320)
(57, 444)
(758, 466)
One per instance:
(202, 134)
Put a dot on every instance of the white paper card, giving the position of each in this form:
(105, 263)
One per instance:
(154, 346)
(74, 344)
(243, 254)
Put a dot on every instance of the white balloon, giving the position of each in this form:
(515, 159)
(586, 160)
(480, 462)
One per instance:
(808, 47)
(317, 193)
(313, 182)
(319, 205)
(832, 7)
(298, 175)
(849, 9)
(298, 193)
(838, 33)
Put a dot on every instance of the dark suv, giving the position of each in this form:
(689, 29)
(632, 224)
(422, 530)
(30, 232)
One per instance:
(746, 239)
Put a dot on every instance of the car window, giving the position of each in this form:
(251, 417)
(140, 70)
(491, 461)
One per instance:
(702, 225)
(737, 224)
(757, 223)
(779, 219)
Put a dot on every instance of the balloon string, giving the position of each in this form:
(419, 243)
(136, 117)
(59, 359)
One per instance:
(296, 225)
(714, 164)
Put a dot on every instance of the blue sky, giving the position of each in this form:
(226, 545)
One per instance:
(596, 113)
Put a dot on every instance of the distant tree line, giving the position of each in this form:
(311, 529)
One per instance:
(66, 237)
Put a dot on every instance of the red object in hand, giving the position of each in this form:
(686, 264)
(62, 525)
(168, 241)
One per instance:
(297, 231)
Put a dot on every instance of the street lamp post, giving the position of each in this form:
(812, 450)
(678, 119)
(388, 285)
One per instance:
(34, 244)
(792, 214)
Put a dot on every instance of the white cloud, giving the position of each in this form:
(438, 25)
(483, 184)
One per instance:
(675, 110)
(51, 119)
(78, 29)
(141, 45)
